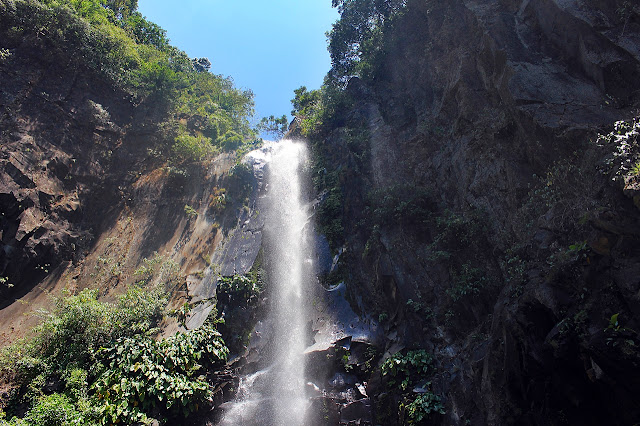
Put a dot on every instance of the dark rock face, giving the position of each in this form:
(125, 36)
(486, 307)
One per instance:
(70, 143)
(477, 100)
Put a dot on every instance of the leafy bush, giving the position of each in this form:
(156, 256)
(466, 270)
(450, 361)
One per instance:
(405, 205)
(329, 213)
(356, 40)
(78, 325)
(308, 108)
(408, 204)
(424, 404)
(54, 410)
(405, 370)
(141, 375)
(623, 142)
(231, 141)
(190, 211)
(274, 126)
(166, 270)
(457, 232)
(192, 148)
(407, 373)
(108, 365)
(141, 309)
(238, 288)
(468, 281)
(145, 32)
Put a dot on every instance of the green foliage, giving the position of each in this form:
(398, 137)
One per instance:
(110, 368)
(419, 308)
(190, 211)
(403, 204)
(309, 109)
(238, 288)
(305, 101)
(141, 375)
(455, 233)
(192, 148)
(578, 249)
(80, 324)
(344, 359)
(166, 270)
(398, 205)
(404, 370)
(5, 54)
(356, 41)
(617, 334)
(217, 201)
(182, 312)
(231, 141)
(83, 27)
(54, 410)
(115, 41)
(4, 281)
(141, 308)
(514, 267)
(424, 404)
(201, 64)
(145, 32)
(319, 111)
(468, 281)
(623, 143)
(274, 126)
(76, 383)
(614, 324)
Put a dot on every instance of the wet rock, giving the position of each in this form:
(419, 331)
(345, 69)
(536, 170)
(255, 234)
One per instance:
(342, 380)
(357, 413)
(319, 365)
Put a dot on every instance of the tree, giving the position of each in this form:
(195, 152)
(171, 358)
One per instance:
(355, 37)
(146, 32)
(304, 101)
(121, 8)
(274, 126)
(201, 64)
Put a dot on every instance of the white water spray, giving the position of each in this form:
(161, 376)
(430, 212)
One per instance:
(276, 395)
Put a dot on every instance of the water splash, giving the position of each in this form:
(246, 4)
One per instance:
(276, 394)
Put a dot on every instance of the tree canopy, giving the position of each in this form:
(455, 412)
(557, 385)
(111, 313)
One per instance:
(113, 39)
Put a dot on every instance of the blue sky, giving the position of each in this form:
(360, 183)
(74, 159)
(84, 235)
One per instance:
(271, 47)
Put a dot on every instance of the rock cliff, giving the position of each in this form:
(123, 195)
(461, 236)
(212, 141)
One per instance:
(483, 219)
(86, 195)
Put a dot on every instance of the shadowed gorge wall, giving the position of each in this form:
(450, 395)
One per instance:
(482, 217)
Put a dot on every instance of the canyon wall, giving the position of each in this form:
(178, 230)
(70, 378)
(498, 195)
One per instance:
(484, 219)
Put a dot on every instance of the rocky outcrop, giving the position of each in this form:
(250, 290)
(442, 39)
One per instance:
(511, 266)
(62, 135)
(86, 193)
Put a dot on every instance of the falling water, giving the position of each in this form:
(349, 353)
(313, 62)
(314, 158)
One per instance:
(275, 395)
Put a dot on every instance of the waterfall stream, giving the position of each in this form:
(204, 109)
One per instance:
(275, 395)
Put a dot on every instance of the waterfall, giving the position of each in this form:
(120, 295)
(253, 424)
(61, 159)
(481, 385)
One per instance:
(275, 395)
